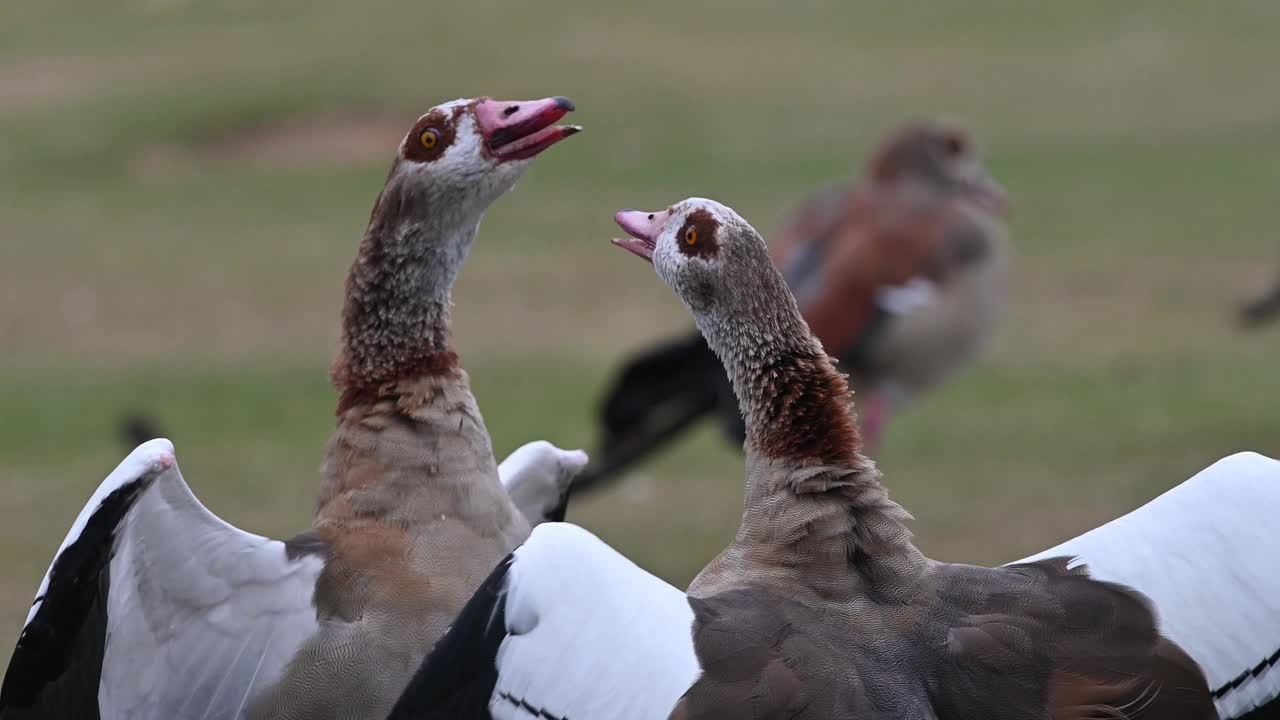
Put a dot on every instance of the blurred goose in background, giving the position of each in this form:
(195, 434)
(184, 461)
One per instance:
(156, 608)
(822, 607)
(902, 275)
(135, 428)
(1262, 309)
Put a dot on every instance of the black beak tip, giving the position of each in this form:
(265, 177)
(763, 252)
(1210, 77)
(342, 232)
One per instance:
(564, 103)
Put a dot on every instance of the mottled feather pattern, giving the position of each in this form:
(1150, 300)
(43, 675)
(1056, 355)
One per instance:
(391, 327)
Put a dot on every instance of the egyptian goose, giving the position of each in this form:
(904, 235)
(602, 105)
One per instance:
(156, 608)
(822, 607)
(903, 276)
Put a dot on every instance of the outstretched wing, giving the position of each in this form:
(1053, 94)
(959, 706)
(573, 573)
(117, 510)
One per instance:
(565, 627)
(538, 476)
(156, 608)
(1205, 554)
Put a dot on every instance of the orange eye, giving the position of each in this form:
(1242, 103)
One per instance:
(429, 138)
(691, 236)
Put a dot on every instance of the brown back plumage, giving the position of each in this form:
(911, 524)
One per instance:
(1031, 641)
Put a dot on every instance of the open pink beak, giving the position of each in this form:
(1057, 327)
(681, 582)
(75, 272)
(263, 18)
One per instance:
(519, 130)
(643, 227)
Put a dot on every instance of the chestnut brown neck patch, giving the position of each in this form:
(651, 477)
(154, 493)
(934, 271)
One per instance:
(804, 411)
(395, 321)
(368, 389)
(697, 237)
(430, 136)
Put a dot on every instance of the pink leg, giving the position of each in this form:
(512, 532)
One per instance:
(875, 412)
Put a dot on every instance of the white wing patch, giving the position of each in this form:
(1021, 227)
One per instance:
(537, 475)
(592, 634)
(214, 613)
(902, 299)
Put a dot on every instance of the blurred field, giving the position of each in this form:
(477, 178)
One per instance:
(183, 184)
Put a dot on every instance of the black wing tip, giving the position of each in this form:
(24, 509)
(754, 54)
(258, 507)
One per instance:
(557, 513)
(304, 544)
(459, 675)
(56, 665)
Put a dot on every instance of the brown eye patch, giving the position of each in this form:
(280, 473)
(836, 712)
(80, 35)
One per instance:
(697, 237)
(429, 138)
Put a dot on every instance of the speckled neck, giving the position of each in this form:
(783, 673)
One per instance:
(796, 405)
(815, 514)
(396, 318)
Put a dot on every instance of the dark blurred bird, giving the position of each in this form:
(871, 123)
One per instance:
(1262, 309)
(136, 428)
(901, 274)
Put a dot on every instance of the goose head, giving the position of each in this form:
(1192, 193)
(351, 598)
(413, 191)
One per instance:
(939, 158)
(466, 153)
(797, 408)
(454, 161)
(707, 253)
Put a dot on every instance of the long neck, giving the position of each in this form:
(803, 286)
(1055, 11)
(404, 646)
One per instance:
(796, 405)
(814, 505)
(396, 319)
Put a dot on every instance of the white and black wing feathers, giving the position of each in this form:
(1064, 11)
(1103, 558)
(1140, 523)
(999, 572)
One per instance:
(1206, 553)
(538, 477)
(458, 678)
(155, 608)
(565, 627)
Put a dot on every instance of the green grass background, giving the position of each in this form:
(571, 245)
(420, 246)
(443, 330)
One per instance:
(183, 184)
